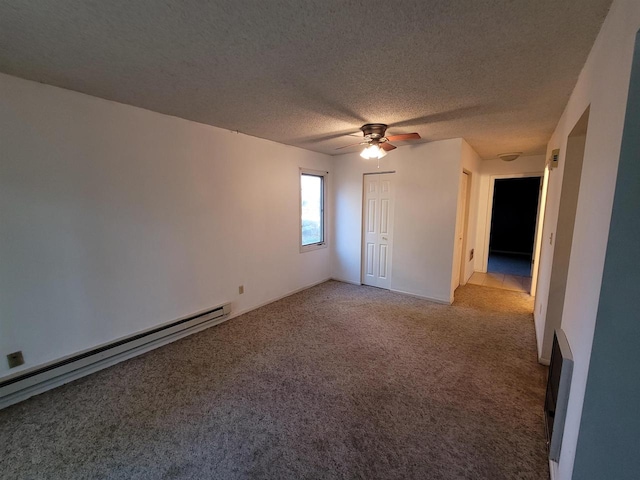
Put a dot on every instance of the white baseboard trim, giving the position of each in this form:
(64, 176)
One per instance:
(96, 366)
(553, 470)
(293, 292)
(544, 361)
(345, 281)
(431, 299)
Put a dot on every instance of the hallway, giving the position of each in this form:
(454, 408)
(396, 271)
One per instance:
(516, 283)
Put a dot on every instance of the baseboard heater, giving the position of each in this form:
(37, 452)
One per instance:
(26, 383)
(557, 395)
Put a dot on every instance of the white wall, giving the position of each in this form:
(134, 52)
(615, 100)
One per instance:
(427, 179)
(471, 163)
(488, 169)
(602, 84)
(115, 219)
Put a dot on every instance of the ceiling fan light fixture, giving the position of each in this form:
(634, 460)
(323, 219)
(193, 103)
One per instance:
(378, 144)
(373, 151)
(509, 157)
(365, 153)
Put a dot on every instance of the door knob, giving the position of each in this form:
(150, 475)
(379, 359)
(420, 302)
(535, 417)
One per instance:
(385, 238)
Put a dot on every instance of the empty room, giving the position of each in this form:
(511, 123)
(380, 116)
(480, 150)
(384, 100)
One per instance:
(319, 240)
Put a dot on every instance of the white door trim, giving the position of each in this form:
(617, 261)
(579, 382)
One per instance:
(487, 228)
(542, 205)
(459, 241)
(465, 228)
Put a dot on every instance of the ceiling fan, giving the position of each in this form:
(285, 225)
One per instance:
(377, 144)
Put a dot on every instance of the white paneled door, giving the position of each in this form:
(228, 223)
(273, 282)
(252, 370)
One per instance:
(377, 234)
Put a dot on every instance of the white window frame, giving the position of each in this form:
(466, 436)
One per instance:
(325, 232)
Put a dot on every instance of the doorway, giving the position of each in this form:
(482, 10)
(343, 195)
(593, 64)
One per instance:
(515, 204)
(562, 241)
(377, 229)
(513, 225)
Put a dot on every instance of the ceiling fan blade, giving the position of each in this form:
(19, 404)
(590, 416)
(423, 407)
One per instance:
(352, 145)
(387, 147)
(404, 136)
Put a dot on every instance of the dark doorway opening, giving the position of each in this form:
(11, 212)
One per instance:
(513, 225)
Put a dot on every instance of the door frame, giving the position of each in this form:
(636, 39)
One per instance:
(487, 228)
(537, 246)
(466, 203)
(362, 226)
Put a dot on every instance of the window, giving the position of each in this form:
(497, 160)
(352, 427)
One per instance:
(312, 219)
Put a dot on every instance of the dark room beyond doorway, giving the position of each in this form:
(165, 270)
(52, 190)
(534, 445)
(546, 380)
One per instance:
(513, 225)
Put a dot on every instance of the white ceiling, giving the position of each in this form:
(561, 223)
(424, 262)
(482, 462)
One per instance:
(496, 72)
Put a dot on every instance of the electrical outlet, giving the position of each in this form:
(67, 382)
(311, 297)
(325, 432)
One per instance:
(241, 289)
(15, 359)
(471, 255)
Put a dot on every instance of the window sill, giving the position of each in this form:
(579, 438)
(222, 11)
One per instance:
(313, 246)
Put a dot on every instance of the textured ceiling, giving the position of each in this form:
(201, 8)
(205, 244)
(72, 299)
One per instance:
(304, 73)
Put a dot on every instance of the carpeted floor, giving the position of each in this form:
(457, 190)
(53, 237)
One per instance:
(339, 381)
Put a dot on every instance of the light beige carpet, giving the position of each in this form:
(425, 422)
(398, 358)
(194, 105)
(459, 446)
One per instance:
(339, 381)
